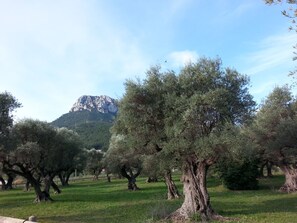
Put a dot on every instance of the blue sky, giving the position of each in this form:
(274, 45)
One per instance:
(54, 51)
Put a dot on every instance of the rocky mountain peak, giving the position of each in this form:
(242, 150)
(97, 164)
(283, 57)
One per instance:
(103, 104)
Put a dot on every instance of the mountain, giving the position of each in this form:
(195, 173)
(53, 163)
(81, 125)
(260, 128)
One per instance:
(91, 117)
(103, 104)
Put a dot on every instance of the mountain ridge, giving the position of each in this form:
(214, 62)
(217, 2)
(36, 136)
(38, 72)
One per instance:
(102, 103)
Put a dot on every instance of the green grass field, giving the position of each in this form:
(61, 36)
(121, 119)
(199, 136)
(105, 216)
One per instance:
(99, 201)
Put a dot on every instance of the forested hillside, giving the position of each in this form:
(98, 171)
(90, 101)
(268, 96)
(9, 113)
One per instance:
(92, 126)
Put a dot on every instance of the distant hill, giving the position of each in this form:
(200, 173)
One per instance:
(91, 117)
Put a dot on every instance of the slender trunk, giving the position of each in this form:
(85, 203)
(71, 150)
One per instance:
(3, 183)
(27, 185)
(55, 187)
(67, 178)
(47, 183)
(269, 169)
(62, 178)
(290, 184)
(108, 178)
(196, 199)
(10, 179)
(172, 192)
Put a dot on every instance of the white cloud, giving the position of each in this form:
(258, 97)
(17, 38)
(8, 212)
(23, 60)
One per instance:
(180, 58)
(274, 51)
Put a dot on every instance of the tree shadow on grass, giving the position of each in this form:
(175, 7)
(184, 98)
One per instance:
(137, 212)
(279, 205)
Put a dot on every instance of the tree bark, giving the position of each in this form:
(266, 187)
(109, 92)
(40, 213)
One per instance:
(55, 187)
(3, 183)
(130, 177)
(64, 178)
(172, 192)
(132, 183)
(269, 169)
(108, 178)
(151, 179)
(10, 179)
(41, 196)
(290, 184)
(196, 199)
(27, 185)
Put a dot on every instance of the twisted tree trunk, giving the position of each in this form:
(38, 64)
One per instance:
(196, 199)
(172, 192)
(131, 177)
(41, 196)
(290, 184)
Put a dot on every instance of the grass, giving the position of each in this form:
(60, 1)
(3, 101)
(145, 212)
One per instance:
(99, 201)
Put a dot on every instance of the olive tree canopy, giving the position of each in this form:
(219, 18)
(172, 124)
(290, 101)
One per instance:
(187, 115)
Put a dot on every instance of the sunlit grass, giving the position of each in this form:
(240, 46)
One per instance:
(100, 201)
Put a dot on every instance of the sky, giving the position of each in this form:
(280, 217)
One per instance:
(54, 51)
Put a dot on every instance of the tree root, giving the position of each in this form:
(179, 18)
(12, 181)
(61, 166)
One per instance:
(43, 197)
(287, 189)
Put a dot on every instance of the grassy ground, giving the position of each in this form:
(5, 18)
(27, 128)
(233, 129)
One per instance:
(99, 201)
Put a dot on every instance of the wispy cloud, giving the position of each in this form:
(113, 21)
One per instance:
(273, 52)
(178, 59)
(269, 63)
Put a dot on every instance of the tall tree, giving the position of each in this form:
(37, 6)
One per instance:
(274, 133)
(8, 103)
(187, 115)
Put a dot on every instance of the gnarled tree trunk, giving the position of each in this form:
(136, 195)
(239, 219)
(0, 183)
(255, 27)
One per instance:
(172, 192)
(196, 199)
(290, 184)
(131, 177)
(40, 195)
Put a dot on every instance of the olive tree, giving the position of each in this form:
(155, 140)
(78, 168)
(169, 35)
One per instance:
(40, 152)
(274, 134)
(123, 159)
(8, 103)
(94, 162)
(188, 115)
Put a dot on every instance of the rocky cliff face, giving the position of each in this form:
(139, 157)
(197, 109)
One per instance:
(103, 104)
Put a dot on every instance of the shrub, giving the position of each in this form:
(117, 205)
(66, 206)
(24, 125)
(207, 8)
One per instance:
(240, 175)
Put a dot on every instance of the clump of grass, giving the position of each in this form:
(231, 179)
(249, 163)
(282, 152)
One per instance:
(160, 211)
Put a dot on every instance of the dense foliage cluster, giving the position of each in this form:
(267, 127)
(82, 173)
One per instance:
(188, 117)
